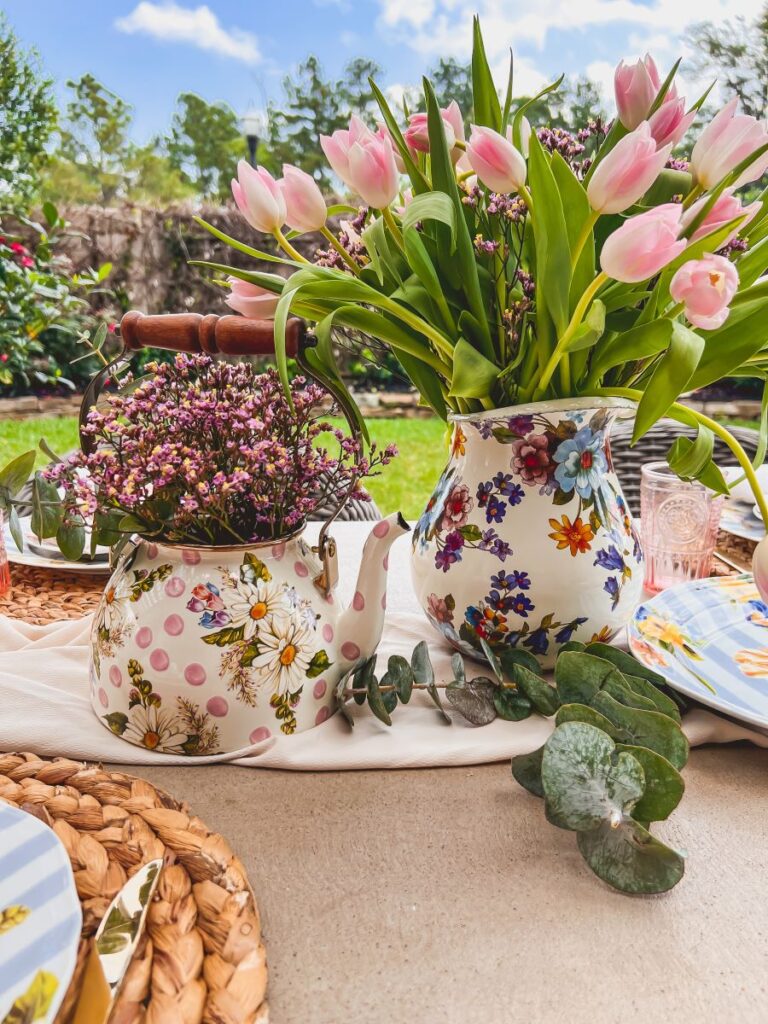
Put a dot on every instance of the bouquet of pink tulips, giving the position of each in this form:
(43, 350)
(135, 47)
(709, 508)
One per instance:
(523, 263)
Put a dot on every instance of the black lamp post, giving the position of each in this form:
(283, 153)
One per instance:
(254, 125)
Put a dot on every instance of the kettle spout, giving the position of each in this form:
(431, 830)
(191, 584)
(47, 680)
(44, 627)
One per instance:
(360, 626)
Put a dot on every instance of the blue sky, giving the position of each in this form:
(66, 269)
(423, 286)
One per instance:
(239, 50)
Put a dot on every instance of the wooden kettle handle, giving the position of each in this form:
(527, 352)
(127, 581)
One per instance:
(192, 332)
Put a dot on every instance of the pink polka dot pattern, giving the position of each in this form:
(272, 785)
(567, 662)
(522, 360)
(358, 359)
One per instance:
(190, 557)
(300, 569)
(358, 601)
(322, 716)
(103, 698)
(350, 650)
(383, 600)
(217, 707)
(115, 676)
(329, 598)
(151, 550)
(327, 632)
(159, 660)
(260, 734)
(144, 637)
(381, 529)
(195, 674)
(318, 690)
(385, 562)
(174, 625)
(175, 586)
(278, 550)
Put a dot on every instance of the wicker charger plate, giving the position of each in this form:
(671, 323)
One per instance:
(202, 959)
(41, 596)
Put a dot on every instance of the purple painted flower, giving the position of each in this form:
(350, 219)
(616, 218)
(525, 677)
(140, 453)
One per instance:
(609, 558)
(520, 605)
(501, 549)
(495, 510)
(450, 553)
(484, 428)
(611, 586)
(537, 641)
(520, 424)
(484, 491)
(564, 635)
(214, 620)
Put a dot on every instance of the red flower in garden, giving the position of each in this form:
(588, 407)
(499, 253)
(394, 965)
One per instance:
(18, 248)
(530, 459)
(27, 261)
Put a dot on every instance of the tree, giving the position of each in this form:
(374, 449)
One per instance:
(154, 179)
(95, 135)
(581, 102)
(357, 95)
(452, 80)
(736, 53)
(205, 144)
(28, 117)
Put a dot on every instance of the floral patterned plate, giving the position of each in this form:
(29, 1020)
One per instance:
(739, 519)
(30, 557)
(40, 919)
(709, 639)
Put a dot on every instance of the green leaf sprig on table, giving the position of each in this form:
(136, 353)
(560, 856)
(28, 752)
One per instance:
(611, 766)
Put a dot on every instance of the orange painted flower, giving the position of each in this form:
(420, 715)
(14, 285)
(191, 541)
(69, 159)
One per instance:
(603, 637)
(752, 663)
(575, 535)
(459, 439)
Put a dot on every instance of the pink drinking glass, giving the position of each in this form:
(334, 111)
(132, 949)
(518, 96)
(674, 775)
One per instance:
(5, 571)
(679, 522)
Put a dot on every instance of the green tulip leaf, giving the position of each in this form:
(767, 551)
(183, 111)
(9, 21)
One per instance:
(630, 859)
(473, 375)
(585, 783)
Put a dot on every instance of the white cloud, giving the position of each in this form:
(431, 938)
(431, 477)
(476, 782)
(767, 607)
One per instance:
(197, 26)
(601, 73)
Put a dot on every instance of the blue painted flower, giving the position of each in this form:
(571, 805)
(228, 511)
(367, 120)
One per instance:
(609, 558)
(519, 604)
(503, 580)
(484, 428)
(451, 552)
(507, 487)
(484, 491)
(565, 634)
(214, 620)
(582, 463)
(537, 641)
(611, 586)
(495, 511)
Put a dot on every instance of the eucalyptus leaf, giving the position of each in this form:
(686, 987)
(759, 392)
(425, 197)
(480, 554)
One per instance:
(512, 705)
(473, 699)
(511, 656)
(541, 694)
(360, 679)
(579, 677)
(15, 474)
(401, 675)
(588, 715)
(375, 697)
(421, 666)
(71, 541)
(457, 667)
(645, 728)
(46, 508)
(492, 658)
(664, 786)
(435, 697)
(630, 859)
(526, 769)
(14, 525)
(624, 662)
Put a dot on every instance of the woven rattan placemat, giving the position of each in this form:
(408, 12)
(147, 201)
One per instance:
(41, 596)
(203, 959)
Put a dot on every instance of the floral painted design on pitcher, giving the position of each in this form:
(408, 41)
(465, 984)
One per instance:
(203, 650)
(527, 540)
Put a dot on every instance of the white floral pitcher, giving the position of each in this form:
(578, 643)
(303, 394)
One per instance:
(527, 540)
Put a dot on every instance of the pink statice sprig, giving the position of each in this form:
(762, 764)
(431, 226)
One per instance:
(208, 452)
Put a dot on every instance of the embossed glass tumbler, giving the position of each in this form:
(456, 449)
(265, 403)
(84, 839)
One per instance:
(679, 522)
(5, 572)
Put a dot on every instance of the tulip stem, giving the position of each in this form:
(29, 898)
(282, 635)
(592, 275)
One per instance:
(581, 308)
(683, 414)
(692, 196)
(523, 191)
(464, 175)
(340, 249)
(581, 241)
(394, 228)
(286, 245)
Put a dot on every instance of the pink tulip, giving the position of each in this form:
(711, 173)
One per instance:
(385, 133)
(336, 146)
(304, 203)
(259, 198)
(728, 139)
(726, 208)
(416, 134)
(250, 300)
(705, 287)
(636, 87)
(497, 163)
(644, 244)
(627, 172)
(372, 170)
(670, 122)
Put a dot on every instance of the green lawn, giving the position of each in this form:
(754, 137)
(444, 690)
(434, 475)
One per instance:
(405, 485)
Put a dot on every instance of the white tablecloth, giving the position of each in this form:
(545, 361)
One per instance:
(45, 707)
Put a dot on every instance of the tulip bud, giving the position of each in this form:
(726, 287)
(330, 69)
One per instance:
(728, 139)
(725, 209)
(372, 171)
(636, 87)
(336, 146)
(670, 122)
(416, 135)
(705, 287)
(250, 300)
(304, 203)
(627, 172)
(258, 198)
(497, 163)
(644, 244)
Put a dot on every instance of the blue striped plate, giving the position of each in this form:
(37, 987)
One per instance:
(40, 918)
(709, 639)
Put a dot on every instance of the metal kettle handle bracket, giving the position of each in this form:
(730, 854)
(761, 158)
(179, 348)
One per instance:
(229, 336)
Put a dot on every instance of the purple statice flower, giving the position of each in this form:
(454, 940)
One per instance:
(450, 552)
(488, 246)
(609, 558)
